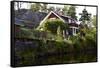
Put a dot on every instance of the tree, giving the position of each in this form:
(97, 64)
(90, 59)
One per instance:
(24, 33)
(94, 20)
(35, 7)
(52, 25)
(72, 12)
(86, 22)
(44, 8)
(58, 9)
(51, 8)
(65, 9)
(85, 16)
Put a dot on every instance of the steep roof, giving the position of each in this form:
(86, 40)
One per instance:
(29, 18)
(65, 19)
(19, 22)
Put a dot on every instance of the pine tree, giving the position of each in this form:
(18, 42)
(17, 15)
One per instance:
(85, 16)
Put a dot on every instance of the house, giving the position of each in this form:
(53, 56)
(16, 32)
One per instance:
(31, 19)
(73, 25)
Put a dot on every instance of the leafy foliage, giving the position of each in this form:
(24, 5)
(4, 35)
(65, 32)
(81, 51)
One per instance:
(35, 7)
(44, 8)
(65, 9)
(72, 12)
(94, 20)
(51, 9)
(59, 34)
(50, 41)
(52, 25)
(24, 33)
(85, 15)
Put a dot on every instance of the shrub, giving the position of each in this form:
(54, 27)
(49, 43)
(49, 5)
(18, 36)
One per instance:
(52, 25)
(24, 33)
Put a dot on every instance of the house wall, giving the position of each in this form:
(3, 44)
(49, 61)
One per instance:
(52, 16)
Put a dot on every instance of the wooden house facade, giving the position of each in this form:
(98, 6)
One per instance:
(72, 23)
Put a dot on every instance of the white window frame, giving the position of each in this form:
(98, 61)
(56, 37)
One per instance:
(74, 30)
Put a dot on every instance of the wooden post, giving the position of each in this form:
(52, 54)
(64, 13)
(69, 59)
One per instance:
(64, 34)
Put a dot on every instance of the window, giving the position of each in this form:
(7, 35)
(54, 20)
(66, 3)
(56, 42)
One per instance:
(73, 31)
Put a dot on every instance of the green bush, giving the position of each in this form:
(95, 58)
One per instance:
(91, 38)
(52, 25)
(24, 33)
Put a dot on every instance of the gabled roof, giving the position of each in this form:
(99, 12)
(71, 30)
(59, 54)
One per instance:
(66, 19)
(27, 17)
(49, 15)
(61, 17)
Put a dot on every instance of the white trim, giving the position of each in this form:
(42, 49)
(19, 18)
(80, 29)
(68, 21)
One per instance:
(58, 16)
(74, 30)
(74, 27)
(48, 16)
